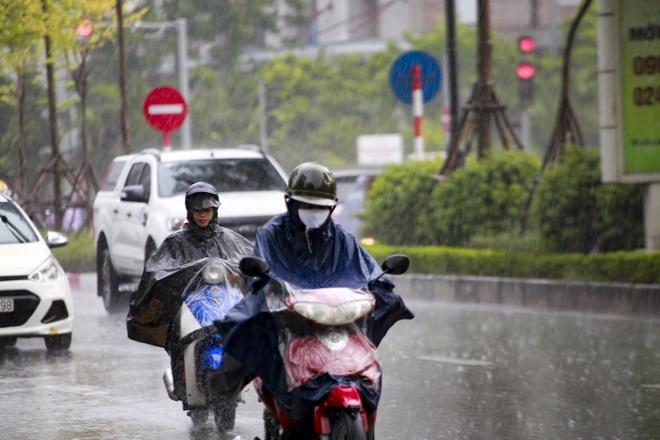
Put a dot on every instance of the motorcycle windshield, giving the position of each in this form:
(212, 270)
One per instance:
(213, 290)
(322, 331)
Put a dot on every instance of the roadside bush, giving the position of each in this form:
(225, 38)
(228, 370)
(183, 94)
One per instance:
(396, 209)
(485, 198)
(575, 212)
(79, 254)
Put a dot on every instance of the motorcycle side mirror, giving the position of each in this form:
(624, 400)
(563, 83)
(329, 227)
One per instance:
(396, 264)
(253, 267)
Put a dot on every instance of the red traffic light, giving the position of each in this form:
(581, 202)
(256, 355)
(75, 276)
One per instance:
(526, 44)
(525, 71)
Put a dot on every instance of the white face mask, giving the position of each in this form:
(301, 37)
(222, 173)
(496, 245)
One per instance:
(313, 218)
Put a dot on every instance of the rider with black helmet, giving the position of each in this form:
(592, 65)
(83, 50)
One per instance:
(152, 313)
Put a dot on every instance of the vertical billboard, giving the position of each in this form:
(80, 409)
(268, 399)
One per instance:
(629, 90)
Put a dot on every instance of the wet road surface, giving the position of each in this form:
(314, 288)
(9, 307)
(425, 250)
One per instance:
(454, 372)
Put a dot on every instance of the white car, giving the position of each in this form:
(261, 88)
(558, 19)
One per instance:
(141, 201)
(35, 296)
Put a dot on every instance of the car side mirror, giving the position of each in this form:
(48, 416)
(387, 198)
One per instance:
(254, 267)
(56, 239)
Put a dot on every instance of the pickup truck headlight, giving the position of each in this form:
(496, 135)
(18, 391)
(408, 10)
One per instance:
(175, 223)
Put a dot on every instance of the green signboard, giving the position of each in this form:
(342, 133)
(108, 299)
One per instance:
(639, 49)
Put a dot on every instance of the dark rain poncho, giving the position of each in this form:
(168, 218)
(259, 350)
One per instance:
(154, 305)
(336, 259)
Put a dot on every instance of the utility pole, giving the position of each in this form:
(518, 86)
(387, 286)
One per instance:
(122, 78)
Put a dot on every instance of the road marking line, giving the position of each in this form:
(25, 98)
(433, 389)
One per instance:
(456, 361)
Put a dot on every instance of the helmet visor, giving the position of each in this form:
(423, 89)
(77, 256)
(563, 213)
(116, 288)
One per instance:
(319, 201)
(204, 202)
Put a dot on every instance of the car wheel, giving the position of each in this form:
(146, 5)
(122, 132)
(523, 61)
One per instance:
(7, 341)
(108, 283)
(58, 342)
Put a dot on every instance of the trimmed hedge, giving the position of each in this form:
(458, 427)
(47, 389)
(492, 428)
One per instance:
(79, 255)
(625, 267)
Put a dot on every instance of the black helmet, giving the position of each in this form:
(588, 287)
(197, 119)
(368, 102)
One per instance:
(201, 195)
(312, 183)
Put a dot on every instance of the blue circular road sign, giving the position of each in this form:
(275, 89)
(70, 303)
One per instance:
(401, 75)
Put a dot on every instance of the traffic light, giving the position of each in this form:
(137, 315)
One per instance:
(526, 70)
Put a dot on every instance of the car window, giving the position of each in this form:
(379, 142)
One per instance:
(145, 180)
(134, 174)
(227, 175)
(14, 228)
(112, 175)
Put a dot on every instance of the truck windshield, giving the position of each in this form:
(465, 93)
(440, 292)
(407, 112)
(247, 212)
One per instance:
(227, 175)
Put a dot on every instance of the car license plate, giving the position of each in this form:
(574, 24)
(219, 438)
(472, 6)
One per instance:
(6, 305)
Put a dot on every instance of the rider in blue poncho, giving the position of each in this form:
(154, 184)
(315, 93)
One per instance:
(306, 248)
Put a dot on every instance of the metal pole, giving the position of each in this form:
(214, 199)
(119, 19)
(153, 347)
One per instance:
(263, 118)
(124, 124)
(484, 71)
(182, 73)
(451, 61)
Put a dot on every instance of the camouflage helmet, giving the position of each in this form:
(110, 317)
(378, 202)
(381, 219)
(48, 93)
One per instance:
(312, 183)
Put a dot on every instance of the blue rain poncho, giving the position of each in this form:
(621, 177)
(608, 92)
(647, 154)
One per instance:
(324, 257)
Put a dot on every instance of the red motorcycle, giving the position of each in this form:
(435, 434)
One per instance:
(324, 350)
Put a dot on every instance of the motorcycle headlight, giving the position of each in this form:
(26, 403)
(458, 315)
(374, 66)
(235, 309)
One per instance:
(175, 223)
(214, 272)
(48, 271)
(327, 315)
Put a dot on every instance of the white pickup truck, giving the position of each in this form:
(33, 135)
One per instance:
(141, 201)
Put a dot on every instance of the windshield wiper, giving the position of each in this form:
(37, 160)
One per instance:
(14, 230)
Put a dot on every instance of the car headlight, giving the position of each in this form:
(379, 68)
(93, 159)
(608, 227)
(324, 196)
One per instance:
(175, 223)
(48, 271)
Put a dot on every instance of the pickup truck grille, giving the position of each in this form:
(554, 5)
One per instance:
(246, 226)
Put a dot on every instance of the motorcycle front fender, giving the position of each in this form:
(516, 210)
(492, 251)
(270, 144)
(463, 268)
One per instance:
(339, 397)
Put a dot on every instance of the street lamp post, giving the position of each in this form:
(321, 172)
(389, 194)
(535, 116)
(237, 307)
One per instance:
(180, 26)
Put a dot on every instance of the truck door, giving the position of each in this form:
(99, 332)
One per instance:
(130, 234)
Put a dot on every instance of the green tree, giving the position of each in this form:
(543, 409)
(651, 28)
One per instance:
(20, 36)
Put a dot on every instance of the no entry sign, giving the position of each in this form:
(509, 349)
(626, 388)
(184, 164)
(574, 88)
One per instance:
(165, 109)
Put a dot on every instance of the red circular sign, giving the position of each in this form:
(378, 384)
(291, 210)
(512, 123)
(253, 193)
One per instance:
(165, 109)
